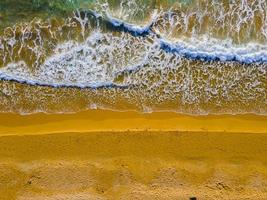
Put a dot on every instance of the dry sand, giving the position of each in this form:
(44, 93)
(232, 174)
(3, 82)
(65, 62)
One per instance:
(109, 155)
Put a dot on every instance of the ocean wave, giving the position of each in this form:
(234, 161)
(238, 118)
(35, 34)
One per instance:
(91, 64)
(202, 48)
(6, 76)
(125, 64)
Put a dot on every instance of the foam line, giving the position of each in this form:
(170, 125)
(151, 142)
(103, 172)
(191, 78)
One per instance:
(119, 25)
(223, 56)
(5, 77)
(190, 51)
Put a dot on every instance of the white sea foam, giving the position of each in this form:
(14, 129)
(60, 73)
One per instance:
(97, 61)
(211, 49)
(93, 63)
(191, 72)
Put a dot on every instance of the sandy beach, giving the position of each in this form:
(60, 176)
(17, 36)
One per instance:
(111, 155)
(133, 100)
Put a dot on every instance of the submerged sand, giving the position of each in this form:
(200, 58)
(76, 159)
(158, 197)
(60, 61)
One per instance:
(111, 155)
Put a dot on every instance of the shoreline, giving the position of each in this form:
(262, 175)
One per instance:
(111, 121)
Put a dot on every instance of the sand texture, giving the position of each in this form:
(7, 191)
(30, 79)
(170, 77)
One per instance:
(220, 158)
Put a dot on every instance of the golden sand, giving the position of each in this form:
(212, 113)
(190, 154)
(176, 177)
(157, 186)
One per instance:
(99, 120)
(111, 155)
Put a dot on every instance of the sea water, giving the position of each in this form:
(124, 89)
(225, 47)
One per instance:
(188, 56)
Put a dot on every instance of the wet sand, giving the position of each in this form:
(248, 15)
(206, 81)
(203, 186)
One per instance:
(102, 121)
(111, 155)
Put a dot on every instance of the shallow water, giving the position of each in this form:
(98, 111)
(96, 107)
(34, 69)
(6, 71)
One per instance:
(192, 57)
